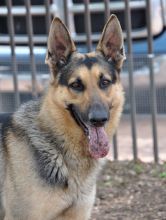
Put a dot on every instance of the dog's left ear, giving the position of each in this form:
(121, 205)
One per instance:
(60, 45)
(111, 42)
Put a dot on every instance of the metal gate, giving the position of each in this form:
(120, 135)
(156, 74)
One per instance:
(22, 70)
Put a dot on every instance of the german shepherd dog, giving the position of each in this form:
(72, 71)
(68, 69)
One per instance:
(53, 148)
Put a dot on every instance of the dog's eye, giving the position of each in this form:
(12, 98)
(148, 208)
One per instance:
(77, 86)
(104, 83)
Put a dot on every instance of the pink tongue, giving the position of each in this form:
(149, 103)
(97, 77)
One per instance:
(98, 142)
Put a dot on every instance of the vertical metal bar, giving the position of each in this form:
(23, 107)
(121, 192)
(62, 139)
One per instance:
(66, 13)
(115, 141)
(149, 27)
(48, 15)
(88, 25)
(12, 44)
(115, 147)
(131, 81)
(107, 9)
(152, 83)
(162, 11)
(31, 45)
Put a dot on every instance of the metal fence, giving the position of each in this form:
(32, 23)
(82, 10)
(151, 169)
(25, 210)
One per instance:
(34, 66)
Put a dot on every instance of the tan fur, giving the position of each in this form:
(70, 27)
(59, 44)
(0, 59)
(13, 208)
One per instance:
(25, 194)
(45, 202)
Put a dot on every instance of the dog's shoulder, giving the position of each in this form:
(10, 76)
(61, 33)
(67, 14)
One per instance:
(16, 122)
(27, 113)
(45, 146)
(5, 121)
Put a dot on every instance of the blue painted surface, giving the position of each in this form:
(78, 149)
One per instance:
(159, 45)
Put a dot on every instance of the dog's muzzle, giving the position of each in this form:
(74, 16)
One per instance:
(94, 129)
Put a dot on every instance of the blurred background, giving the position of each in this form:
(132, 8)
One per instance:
(24, 26)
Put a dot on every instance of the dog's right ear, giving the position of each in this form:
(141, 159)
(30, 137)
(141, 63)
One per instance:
(60, 45)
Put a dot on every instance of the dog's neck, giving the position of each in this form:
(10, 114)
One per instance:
(63, 125)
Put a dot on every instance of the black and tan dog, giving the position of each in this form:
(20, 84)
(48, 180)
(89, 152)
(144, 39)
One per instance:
(52, 149)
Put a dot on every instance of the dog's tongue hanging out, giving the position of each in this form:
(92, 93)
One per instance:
(98, 142)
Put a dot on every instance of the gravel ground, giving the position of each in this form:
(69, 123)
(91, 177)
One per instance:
(131, 191)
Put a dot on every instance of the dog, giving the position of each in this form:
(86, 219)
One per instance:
(52, 149)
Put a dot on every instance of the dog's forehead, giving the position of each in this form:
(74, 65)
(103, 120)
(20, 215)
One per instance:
(87, 60)
(90, 61)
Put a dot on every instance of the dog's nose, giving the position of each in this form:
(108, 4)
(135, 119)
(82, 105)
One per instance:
(98, 118)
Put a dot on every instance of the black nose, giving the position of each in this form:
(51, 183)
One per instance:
(98, 117)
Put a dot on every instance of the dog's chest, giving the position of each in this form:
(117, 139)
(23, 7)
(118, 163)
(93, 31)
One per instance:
(79, 192)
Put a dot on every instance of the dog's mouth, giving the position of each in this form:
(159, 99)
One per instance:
(97, 137)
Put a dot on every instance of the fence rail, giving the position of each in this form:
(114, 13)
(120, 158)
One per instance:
(68, 15)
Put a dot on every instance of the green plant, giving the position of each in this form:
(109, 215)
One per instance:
(138, 168)
(162, 175)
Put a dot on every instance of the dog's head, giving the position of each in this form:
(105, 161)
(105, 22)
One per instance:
(87, 86)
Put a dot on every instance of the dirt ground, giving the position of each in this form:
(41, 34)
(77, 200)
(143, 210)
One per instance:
(131, 191)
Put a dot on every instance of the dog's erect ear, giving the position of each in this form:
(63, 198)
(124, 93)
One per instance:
(111, 42)
(60, 44)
